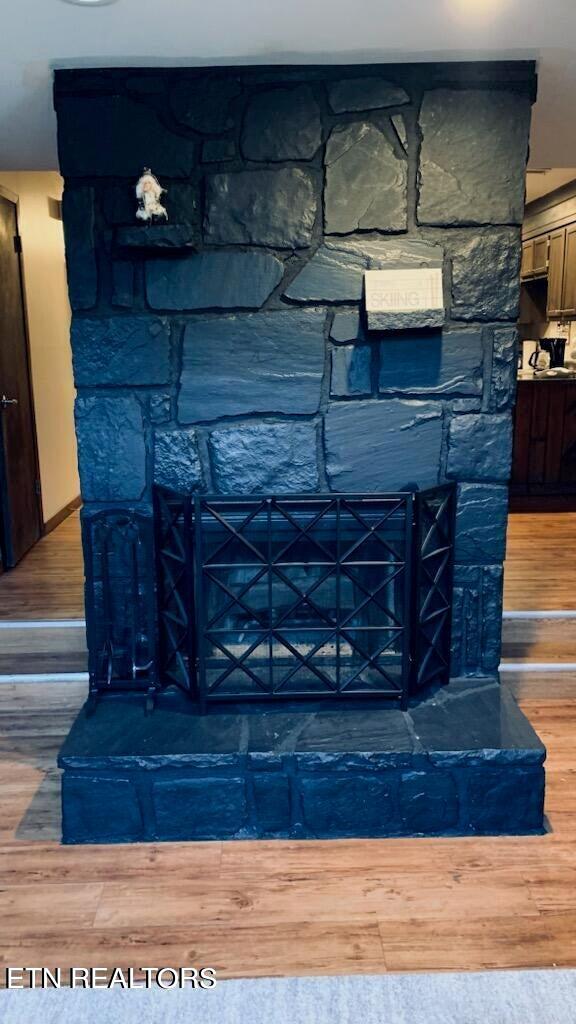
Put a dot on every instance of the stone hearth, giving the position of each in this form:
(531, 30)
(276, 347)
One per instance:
(464, 762)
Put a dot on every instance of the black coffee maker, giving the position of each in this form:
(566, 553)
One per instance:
(555, 348)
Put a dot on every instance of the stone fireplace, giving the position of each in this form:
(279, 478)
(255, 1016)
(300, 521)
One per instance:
(228, 353)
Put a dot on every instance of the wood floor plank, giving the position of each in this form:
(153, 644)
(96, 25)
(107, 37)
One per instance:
(540, 564)
(342, 947)
(49, 581)
(480, 943)
(395, 897)
(28, 909)
(51, 863)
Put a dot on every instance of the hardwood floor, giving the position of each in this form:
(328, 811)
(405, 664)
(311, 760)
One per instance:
(278, 907)
(540, 570)
(48, 582)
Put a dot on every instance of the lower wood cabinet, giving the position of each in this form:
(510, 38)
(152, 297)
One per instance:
(544, 456)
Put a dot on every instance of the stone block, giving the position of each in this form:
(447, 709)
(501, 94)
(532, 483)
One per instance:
(382, 253)
(146, 84)
(351, 371)
(399, 125)
(473, 722)
(481, 517)
(383, 445)
(335, 273)
(202, 808)
(119, 205)
(351, 94)
(204, 103)
(441, 363)
(365, 181)
(100, 810)
(270, 362)
(485, 274)
(111, 448)
(160, 408)
(282, 124)
(428, 802)
(182, 203)
(264, 458)
(176, 461)
(506, 802)
(82, 270)
(272, 799)
(346, 327)
(348, 804)
(480, 447)
(120, 350)
(218, 151)
(122, 284)
(465, 404)
(413, 320)
(476, 619)
(213, 280)
(504, 368)
(264, 207)
(158, 236)
(330, 276)
(116, 136)
(473, 156)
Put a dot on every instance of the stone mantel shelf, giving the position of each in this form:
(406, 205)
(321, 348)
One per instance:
(157, 237)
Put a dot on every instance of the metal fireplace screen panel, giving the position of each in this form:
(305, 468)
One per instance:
(296, 597)
(120, 606)
(434, 528)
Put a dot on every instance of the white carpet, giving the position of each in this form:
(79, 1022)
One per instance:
(492, 997)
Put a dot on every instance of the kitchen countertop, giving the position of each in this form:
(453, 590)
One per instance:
(531, 376)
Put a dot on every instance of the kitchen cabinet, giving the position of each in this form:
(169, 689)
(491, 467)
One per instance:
(534, 258)
(556, 247)
(553, 256)
(569, 276)
(544, 454)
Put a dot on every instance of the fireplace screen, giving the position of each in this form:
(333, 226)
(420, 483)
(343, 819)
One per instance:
(304, 597)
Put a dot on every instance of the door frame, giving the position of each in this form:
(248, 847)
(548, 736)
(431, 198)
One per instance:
(5, 540)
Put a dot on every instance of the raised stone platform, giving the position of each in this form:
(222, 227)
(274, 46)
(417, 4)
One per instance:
(463, 762)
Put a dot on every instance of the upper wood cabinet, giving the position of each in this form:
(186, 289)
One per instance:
(555, 272)
(534, 258)
(569, 278)
(527, 264)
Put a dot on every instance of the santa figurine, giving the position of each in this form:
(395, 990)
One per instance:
(148, 192)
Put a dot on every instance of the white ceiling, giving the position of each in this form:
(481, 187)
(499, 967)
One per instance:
(38, 35)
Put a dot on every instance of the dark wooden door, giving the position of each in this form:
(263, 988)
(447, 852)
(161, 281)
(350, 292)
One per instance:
(555, 272)
(19, 488)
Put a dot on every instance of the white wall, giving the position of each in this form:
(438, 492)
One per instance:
(49, 328)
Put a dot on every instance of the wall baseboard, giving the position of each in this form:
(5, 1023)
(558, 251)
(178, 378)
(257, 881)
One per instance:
(60, 516)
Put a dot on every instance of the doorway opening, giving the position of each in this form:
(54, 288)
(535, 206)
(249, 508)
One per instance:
(38, 472)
